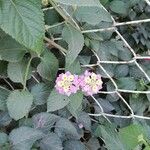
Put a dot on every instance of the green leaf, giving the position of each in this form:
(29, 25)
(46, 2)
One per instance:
(3, 138)
(133, 2)
(119, 7)
(85, 120)
(110, 137)
(130, 134)
(56, 101)
(92, 15)
(74, 145)
(51, 142)
(19, 104)
(121, 71)
(75, 41)
(75, 103)
(107, 50)
(104, 2)
(113, 50)
(44, 121)
(93, 144)
(4, 119)
(24, 137)
(48, 66)
(126, 83)
(16, 71)
(51, 17)
(96, 37)
(138, 103)
(135, 72)
(124, 54)
(40, 93)
(3, 97)
(66, 130)
(26, 122)
(27, 25)
(79, 2)
(10, 50)
(110, 68)
(74, 68)
(84, 60)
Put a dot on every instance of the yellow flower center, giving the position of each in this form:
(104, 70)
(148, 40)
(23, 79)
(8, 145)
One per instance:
(71, 78)
(93, 76)
(98, 82)
(66, 82)
(66, 89)
(93, 81)
(87, 80)
(94, 88)
(64, 77)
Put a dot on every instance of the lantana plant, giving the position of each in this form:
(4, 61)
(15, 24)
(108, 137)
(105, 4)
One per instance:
(89, 83)
(66, 83)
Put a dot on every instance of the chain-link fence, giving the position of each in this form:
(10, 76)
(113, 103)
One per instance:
(99, 63)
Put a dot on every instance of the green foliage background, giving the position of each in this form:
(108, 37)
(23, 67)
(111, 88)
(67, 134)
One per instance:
(40, 39)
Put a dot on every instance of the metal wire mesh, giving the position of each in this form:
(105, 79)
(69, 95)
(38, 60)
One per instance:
(99, 63)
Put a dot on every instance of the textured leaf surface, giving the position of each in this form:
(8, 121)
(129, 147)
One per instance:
(23, 138)
(138, 104)
(56, 101)
(51, 142)
(10, 50)
(48, 66)
(93, 144)
(44, 121)
(65, 129)
(74, 68)
(4, 119)
(107, 49)
(119, 7)
(75, 41)
(127, 83)
(85, 120)
(130, 134)
(92, 15)
(79, 2)
(40, 92)
(110, 137)
(16, 71)
(75, 103)
(19, 104)
(74, 145)
(23, 20)
(3, 138)
(121, 71)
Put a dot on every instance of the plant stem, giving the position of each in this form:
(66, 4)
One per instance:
(55, 45)
(58, 10)
(67, 17)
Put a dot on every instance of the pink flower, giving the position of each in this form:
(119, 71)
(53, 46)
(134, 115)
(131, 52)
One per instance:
(90, 83)
(66, 83)
(80, 125)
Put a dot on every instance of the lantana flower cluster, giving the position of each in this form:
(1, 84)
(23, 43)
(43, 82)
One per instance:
(67, 83)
